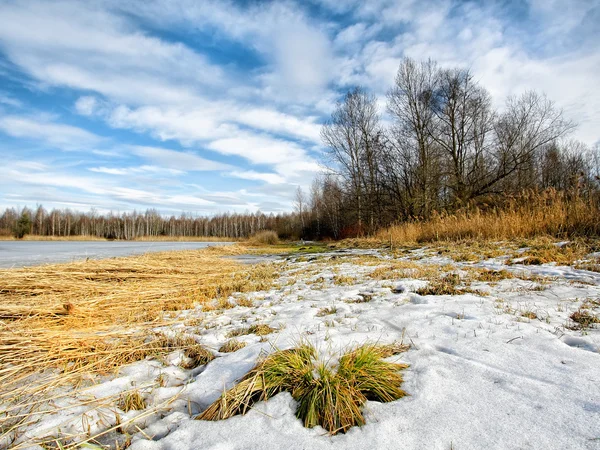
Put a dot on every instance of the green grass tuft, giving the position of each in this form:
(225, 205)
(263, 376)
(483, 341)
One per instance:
(328, 397)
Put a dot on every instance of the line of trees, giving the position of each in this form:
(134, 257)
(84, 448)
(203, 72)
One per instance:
(441, 147)
(132, 225)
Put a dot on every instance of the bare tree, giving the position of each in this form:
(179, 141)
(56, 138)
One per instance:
(412, 162)
(351, 138)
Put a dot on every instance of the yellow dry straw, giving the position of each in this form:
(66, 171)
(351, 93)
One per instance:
(60, 322)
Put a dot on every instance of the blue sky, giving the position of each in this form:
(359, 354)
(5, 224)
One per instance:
(205, 106)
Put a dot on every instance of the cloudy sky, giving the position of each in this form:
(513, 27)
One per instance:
(209, 106)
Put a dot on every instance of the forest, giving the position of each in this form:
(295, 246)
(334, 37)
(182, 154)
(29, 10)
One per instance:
(439, 146)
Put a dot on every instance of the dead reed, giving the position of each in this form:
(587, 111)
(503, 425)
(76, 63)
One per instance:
(548, 213)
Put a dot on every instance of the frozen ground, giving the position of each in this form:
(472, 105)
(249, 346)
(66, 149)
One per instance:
(501, 367)
(31, 253)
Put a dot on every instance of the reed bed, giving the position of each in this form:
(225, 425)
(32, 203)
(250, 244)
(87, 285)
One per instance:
(548, 213)
(62, 323)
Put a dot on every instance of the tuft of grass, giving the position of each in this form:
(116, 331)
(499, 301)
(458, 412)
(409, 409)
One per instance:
(232, 345)
(329, 397)
(258, 329)
(326, 311)
(131, 401)
(529, 314)
(393, 349)
(196, 356)
(493, 276)
(534, 261)
(363, 298)
(584, 319)
(343, 280)
(245, 302)
(444, 286)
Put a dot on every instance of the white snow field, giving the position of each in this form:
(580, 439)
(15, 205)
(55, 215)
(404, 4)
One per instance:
(501, 367)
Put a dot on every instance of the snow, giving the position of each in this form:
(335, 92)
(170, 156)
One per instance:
(481, 375)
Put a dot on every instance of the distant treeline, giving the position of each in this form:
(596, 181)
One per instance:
(132, 225)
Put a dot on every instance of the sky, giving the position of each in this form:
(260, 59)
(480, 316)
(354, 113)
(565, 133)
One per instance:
(213, 106)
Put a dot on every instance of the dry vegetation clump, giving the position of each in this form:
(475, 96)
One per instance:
(529, 315)
(266, 237)
(492, 276)
(447, 285)
(343, 280)
(329, 397)
(406, 269)
(544, 250)
(363, 297)
(59, 323)
(131, 401)
(583, 319)
(592, 265)
(260, 329)
(393, 349)
(548, 213)
(245, 302)
(326, 311)
(232, 345)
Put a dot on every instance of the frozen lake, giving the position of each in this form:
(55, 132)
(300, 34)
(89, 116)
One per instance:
(31, 253)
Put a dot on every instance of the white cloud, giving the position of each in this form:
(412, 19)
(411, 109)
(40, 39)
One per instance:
(172, 159)
(135, 170)
(87, 105)
(9, 100)
(81, 46)
(270, 178)
(42, 128)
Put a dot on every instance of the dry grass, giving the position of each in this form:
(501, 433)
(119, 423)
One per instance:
(59, 323)
(544, 250)
(245, 302)
(340, 280)
(131, 401)
(549, 213)
(330, 398)
(406, 269)
(583, 319)
(447, 285)
(266, 237)
(232, 345)
(492, 276)
(257, 329)
(326, 311)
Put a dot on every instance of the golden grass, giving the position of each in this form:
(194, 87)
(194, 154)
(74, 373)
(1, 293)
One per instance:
(533, 214)
(492, 276)
(131, 401)
(583, 319)
(232, 345)
(326, 311)
(330, 398)
(265, 237)
(259, 329)
(448, 285)
(544, 250)
(59, 323)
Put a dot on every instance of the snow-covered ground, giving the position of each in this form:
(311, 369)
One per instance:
(506, 370)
